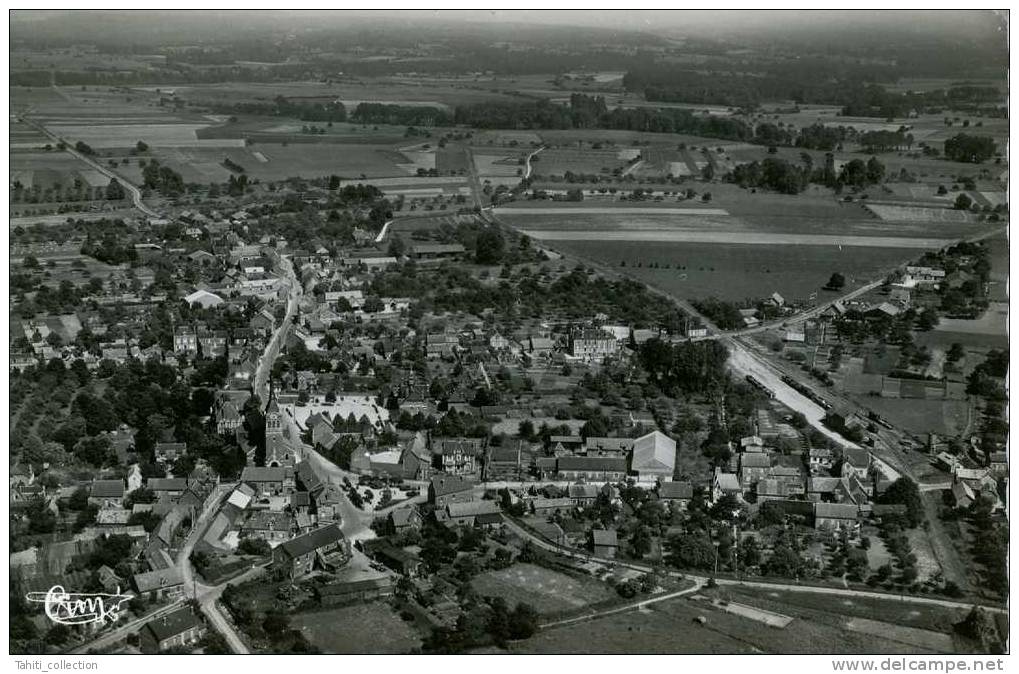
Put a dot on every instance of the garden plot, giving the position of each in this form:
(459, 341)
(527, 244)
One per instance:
(496, 165)
(412, 162)
(918, 214)
(911, 636)
(546, 590)
(769, 618)
(995, 198)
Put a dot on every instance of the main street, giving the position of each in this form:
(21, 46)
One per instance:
(260, 382)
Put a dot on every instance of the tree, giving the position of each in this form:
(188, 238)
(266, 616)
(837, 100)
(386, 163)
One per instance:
(523, 622)
(275, 623)
(972, 149)
(490, 247)
(905, 491)
(692, 551)
(114, 190)
(963, 202)
(956, 352)
(640, 542)
(836, 282)
(142, 146)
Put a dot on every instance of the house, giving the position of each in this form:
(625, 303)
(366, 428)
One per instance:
(204, 299)
(836, 516)
(821, 458)
(228, 417)
(185, 340)
(654, 457)
(753, 466)
(565, 444)
(400, 560)
(856, 461)
(504, 462)
(107, 493)
(162, 584)
(922, 276)
(541, 346)
(458, 456)
(403, 519)
(178, 629)
(963, 495)
(594, 446)
(604, 543)
(269, 480)
(583, 494)
(998, 462)
(309, 479)
(167, 487)
(777, 300)
(591, 468)
(436, 251)
(298, 556)
(725, 484)
(676, 494)
(467, 513)
(550, 506)
(445, 489)
(168, 452)
(592, 344)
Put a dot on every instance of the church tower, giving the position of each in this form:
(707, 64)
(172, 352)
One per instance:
(277, 449)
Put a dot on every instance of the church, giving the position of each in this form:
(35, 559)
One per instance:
(278, 451)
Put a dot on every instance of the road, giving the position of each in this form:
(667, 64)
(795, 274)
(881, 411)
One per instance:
(527, 162)
(205, 594)
(260, 383)
(136, 195)
(382, 232)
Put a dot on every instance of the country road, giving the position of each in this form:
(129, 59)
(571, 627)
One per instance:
(136, 195)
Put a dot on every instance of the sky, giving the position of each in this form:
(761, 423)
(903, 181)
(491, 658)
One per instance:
(718, 23)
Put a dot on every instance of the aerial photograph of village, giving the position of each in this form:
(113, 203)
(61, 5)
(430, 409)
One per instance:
(508, 332)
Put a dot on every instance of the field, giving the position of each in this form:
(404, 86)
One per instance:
(547, 591)
(359, 629)
(734, 271)
(944, 417)
(46, 169)
(670, 628)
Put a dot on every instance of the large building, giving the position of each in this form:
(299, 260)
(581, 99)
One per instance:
(593, 344)
(654, 457)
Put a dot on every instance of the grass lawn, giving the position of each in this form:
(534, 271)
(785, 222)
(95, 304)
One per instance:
(359, 629)
(547, 591)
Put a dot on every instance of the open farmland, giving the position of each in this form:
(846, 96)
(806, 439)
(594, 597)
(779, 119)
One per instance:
(359, 629)
(732, 271)
(547, 591)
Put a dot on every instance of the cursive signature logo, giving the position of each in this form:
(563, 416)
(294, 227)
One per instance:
(70, 608)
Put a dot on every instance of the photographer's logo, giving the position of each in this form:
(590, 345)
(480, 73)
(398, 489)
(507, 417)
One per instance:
(70, 608)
